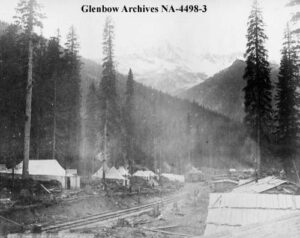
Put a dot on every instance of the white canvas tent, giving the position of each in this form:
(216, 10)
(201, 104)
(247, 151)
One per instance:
(147, 174)
(99, 173)
(111, 173)
(42, 167)
(123, 171)
(173, 177)
(45, 170)
(194, 170)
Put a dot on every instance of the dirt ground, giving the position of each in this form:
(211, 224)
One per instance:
(186, 216)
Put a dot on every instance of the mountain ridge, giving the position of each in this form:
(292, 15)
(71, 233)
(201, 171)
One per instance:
(171, 69)
(223, 92)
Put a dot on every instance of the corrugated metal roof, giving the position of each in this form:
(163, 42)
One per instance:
(260, 186)
(228, 211)
(286, 226)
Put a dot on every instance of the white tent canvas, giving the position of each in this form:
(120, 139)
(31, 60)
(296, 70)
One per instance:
(139, 173)
(194, 170)
(173, 177)
(42, 167)
(112, 173)
(145, 174)
(123, 171)
(99, 172)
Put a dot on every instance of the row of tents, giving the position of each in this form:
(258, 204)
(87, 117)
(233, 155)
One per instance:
(122, 174)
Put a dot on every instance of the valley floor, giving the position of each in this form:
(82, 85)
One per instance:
(185, 216)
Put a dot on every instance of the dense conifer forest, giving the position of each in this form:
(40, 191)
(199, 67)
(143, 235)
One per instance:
(65, 85)
(54, 104)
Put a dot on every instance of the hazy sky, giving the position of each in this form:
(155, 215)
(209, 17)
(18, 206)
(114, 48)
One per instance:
(221, 30)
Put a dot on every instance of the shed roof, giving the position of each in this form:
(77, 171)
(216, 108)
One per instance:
(225, 181)
(284, 226)
(260, 186)
(244, 200)
(228, 211)
(42, 167)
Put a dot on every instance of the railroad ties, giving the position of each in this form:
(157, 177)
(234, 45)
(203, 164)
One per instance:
(106, 216)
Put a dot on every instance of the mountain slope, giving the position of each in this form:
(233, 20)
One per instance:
(171, 69)
(223, 92)
(159, 117)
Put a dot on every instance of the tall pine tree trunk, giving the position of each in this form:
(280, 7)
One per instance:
(105, 146)
(258, 158)
(28, 111)
(54, 123)
(258, 155)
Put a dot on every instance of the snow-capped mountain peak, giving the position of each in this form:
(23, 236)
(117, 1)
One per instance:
(170, 68)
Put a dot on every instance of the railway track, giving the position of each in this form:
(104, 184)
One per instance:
(106, 216)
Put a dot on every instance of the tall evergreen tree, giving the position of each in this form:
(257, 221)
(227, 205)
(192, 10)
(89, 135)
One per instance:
(258, 85)
(287, 97)
(128, 119)
(108, 80)
(41, 109)
(13, 58)
(92, 127)
(69, 101)
(188, 135)
(54, 58)
(29, 17)
(296, 15)
(110, 111)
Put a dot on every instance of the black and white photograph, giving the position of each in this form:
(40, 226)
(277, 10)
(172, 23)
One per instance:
(150, 118)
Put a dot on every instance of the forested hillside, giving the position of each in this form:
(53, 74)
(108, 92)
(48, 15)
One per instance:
(166, 129)
(223, 92)
(55, 129)
(168, 132)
